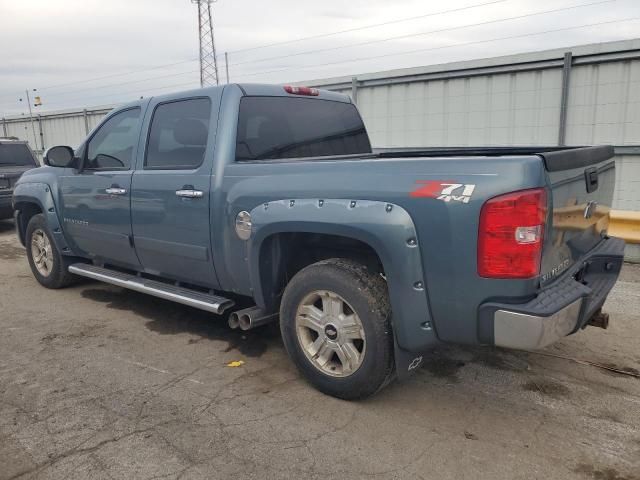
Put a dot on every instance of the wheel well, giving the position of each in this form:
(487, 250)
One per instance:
(27, 211)
(282, 255)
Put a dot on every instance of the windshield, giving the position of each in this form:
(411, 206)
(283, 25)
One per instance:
(16, 154)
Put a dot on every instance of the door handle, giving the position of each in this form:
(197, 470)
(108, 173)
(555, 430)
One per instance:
(189, 193)
(116, 190)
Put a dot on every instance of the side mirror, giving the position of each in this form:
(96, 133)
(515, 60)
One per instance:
(60, 156)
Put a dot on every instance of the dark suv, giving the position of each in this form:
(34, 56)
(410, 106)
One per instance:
(15, 158)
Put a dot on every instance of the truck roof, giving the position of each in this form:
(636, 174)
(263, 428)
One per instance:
(262, 89)
(250, 89)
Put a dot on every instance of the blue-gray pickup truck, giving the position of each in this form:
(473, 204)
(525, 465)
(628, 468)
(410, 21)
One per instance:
(267, 204)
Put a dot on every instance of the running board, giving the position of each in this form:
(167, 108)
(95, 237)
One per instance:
(186, 296)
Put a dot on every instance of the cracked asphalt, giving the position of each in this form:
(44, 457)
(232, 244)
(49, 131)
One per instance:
(102, 383)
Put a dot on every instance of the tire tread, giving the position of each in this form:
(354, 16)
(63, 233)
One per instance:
(373, 288)
(60, 276)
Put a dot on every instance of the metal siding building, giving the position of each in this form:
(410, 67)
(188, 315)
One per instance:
(582, 95)
(67, 127)
(512, 100)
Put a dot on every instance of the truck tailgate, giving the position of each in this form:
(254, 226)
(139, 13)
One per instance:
(582, 182)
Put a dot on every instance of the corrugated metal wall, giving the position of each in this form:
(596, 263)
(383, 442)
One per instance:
(514, 100)
(507, 109)
(60, 128)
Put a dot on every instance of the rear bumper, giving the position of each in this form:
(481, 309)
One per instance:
(525, 332)
(560, 309)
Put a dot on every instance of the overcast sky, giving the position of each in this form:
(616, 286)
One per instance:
(63, 47)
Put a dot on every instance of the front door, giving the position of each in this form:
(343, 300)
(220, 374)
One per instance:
(170, 201)
(95, 202)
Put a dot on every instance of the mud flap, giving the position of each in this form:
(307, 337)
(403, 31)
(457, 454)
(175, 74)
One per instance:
(407, 363)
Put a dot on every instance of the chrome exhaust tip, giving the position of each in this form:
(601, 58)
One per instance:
(234, 321)
(245, 322)
(251, 318)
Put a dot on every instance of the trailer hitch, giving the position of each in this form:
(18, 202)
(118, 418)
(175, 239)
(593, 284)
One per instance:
(599, 319)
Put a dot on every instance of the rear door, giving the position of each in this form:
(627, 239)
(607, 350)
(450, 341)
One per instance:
(95, 202)
(171, 185)
(582, 182)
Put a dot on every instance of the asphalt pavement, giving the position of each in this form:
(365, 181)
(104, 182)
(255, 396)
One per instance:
(97, 382)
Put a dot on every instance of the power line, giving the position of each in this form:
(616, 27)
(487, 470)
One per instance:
(359, 44)
(263, 72)
(109, 85)
(128, 92)
(110, 76)
(10, 95)
(134, 92)
(448, 29)
(477, 42)
(364, 27)
(463, 44)
(116, 84)
(257, 47)
(157, 67)
(126, 83)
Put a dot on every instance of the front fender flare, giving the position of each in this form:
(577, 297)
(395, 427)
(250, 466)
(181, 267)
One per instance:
(385, 227)
(40, 194)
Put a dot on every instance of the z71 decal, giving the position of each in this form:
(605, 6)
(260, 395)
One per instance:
(446, 191)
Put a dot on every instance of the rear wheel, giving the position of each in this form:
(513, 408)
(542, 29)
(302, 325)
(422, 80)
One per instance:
(335, 322)
(47, 264)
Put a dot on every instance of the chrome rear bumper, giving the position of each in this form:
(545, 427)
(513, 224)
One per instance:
(524, 332)
(559, 309)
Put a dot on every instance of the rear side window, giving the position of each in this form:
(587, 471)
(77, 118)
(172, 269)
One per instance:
(178, 134)
(16, 154)
(283, 127)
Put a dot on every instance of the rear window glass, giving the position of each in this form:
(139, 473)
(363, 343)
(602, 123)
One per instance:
(284, 127)
(16, 154)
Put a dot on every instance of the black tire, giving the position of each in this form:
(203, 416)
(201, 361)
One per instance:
(59, 276)
(366, 293)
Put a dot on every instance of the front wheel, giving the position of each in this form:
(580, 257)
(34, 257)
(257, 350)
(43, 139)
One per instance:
(335, 323)
(47, 264)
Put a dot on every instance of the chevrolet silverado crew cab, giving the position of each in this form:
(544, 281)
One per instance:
(15, 158)
(266, 203)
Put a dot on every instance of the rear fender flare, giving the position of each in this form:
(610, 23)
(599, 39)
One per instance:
(385, 227)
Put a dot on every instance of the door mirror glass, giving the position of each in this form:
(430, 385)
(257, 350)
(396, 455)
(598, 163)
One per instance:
(60, 156)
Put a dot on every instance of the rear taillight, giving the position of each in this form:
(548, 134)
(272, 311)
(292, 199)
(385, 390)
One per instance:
(310, 92)
(511, 233)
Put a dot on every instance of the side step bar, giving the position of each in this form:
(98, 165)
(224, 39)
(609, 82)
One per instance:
(186, 296)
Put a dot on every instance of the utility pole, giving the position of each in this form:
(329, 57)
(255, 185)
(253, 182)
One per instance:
(33, 127)
(226, 64)
(208, 60)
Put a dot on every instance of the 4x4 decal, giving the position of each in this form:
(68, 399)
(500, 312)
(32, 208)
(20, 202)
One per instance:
(446, 191)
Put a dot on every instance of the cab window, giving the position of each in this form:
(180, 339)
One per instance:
(111, 147)
(178, 134)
